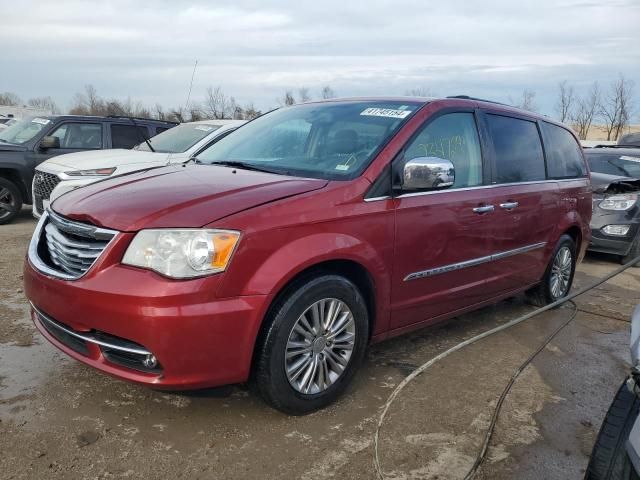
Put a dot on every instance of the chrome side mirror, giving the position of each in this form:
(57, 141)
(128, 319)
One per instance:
(427, 173)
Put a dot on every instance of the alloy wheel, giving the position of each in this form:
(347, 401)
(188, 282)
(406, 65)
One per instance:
(7, 202)
(561, 272)
(320, 345)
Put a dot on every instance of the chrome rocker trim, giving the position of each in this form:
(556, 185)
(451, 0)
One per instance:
(473, 262)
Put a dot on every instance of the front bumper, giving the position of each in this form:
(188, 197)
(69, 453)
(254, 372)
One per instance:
(198, 340)
(617, 245)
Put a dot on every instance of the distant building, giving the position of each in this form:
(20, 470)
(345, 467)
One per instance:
(22, 112)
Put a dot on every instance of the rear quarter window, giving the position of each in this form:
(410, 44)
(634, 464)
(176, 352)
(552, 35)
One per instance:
(564, 154)
(517, 148)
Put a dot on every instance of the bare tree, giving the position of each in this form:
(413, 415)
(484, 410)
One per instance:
(303, 95)
(327, 92)
(44, 103)
(586, 111)
(420, 92)
(250, 112)
(565, 103)
(218, 105)
(616, 107)
(527, 101)
(288, 99)
(10, 99)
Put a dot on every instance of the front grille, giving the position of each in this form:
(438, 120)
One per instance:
(66, 248)
(44, 183)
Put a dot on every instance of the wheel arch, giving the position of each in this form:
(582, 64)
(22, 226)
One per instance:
(15, 177)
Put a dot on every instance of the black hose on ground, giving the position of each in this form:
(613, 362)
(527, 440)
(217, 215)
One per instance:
(461, 345)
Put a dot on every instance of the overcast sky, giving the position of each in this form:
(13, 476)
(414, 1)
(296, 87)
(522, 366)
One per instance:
(257, 49)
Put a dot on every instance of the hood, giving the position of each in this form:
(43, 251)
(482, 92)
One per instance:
(104, 159)
(612, 184)
(177, 196)
(9, 147)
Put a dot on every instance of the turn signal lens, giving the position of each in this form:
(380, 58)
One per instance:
(223, 245)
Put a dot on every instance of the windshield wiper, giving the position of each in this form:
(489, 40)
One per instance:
(241, 165)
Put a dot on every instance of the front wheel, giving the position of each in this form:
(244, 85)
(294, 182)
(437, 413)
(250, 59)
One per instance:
(609, 459)
(558, 276)
(314, 342)
(10, 201)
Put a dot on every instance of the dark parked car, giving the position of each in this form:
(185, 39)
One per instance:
(289, 245)
(615, 224)
(616, 453)
(29, 142)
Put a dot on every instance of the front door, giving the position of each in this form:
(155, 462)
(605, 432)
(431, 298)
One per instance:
(443, 239)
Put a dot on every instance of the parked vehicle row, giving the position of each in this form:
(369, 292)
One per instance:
(64, 173)
(615, 224)
(286, 247)
(33, 140)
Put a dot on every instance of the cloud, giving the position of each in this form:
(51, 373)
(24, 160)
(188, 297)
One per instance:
(257, 49)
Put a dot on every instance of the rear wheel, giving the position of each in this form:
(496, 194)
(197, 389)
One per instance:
(558, 277)
(10, 201)
(609, 459)
(313, 345)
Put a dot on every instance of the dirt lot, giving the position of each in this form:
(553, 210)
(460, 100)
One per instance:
(61, 419)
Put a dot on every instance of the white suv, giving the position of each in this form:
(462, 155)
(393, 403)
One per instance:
(64, 173)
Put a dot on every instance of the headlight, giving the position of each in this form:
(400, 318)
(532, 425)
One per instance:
(182, 253)
(619, 202)
(95, 172)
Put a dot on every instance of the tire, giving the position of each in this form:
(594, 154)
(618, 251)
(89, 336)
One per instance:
(276, 375)
(544, 293)
(609, 459)
(634, 252)
(10, 201)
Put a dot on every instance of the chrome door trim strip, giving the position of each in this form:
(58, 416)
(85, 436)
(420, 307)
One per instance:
(377, 199)
(495, 185)
(473, 262)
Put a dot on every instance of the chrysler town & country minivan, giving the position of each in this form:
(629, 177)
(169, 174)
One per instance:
(278, 254)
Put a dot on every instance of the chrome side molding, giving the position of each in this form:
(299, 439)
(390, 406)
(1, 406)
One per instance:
(473, 262)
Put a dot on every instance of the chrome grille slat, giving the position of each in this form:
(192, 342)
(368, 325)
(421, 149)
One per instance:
(66, 248)
(55, 233)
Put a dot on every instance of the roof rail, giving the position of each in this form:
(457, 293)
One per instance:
(467, 97)
(142, 119)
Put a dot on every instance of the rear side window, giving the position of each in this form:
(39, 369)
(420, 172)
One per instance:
(453, 137)
(564, 155)
(127, 136)
(518, 150)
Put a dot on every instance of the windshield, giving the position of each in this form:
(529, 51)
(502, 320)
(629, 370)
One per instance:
(178, 139)
(615, 164)
(24, 130)
(332, 140)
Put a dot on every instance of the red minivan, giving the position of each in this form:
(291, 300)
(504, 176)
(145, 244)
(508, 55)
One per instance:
(279, 253)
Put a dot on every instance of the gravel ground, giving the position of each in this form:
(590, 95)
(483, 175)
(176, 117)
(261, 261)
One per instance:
(61, 419)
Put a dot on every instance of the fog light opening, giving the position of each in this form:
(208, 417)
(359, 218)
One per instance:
(618, 230)
(150, 361)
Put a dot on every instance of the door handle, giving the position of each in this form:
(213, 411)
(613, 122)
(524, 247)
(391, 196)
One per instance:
(509, 205)
(484, 209)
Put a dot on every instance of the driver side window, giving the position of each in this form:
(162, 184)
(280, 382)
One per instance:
(453, 137)
(83, 136)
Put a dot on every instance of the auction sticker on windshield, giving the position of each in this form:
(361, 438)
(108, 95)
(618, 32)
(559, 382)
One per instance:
(41, 121)
(630, 159)
(204, 128)
(386, 112)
